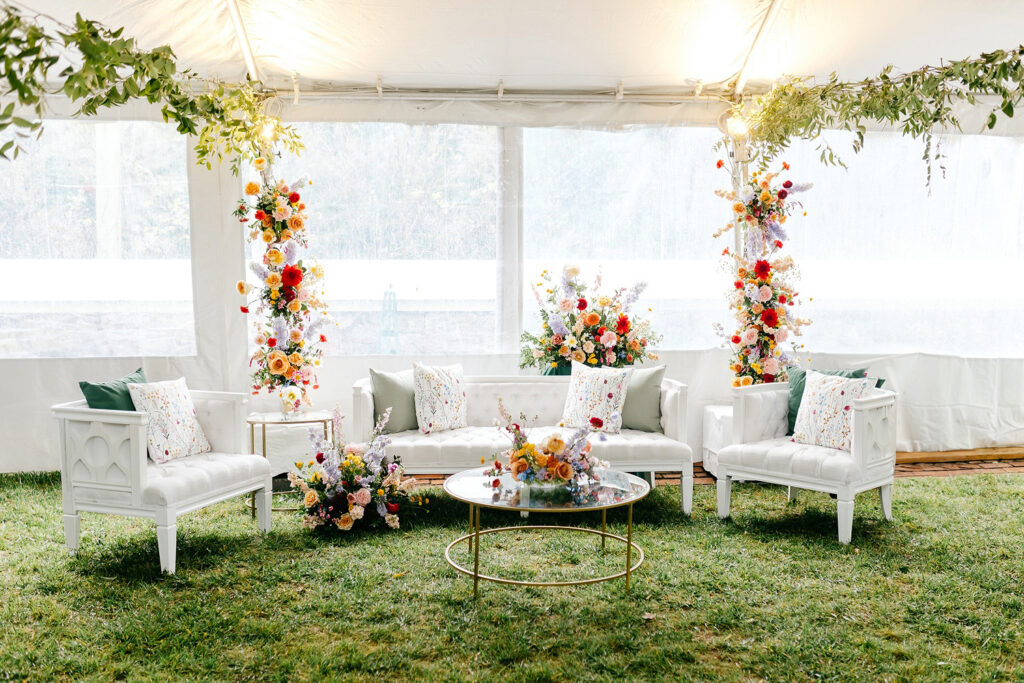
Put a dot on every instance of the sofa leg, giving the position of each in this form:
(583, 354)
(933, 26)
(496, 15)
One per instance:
(885, 493)
(724, 486)
(844, 508)
(791, 493)
(686, 484)
(72, 531)
(264, 505)
(167, 543)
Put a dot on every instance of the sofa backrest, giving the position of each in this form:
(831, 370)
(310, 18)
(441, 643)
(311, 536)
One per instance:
(540, 397)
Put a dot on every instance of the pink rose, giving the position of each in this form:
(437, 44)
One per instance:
(362, 497)
(608, 338)
(565, 305)
(749, 336)
(764, 293)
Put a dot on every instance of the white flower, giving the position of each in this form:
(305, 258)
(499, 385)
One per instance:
(572, 271)
(357, 511)
(391, 520)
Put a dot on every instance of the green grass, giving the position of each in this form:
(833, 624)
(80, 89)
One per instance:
(936, 594)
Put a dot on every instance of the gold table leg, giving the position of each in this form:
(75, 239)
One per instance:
(476, 555)
(629, 544)
(604, 527)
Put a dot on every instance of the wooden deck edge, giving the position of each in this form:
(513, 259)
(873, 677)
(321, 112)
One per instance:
(1001, 453)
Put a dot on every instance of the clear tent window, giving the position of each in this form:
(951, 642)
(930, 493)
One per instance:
(96, 243)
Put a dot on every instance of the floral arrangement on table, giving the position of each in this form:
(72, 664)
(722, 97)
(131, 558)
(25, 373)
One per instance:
(556, 462)
(581, 324)
(290, 318)
(763, 292)
(346, 485)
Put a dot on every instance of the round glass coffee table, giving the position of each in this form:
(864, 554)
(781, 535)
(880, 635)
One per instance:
(613, 489)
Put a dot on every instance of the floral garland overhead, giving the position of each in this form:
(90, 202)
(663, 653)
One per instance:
(763, 294)
(290, 317)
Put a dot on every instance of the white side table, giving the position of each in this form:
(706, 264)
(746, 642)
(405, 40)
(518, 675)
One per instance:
(717, 434)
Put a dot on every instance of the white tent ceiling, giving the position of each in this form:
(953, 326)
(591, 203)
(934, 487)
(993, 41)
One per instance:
(571, 45)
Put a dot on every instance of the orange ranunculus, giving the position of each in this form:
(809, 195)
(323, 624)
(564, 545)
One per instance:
(252, 188)
(295, 359)
(277, 363)
(591, 318)
(520, 466)
(563, 471)
(542, 459)
(739, 207)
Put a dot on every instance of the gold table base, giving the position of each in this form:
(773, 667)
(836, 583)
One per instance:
(473, 541)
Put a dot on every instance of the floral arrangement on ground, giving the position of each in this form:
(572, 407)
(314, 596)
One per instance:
(290, 317)
(582, 324)
(763, 294)
(555, 462)
(346, 485)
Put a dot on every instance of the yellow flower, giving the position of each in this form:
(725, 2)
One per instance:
(311, 498)
(294, 306)
(746, 381)
(554, 364)
(296, 223)
(482, 460)
(380, 492)
(243, 287)
(736, 382)
(317, 270)
(260, 163)
(738, 207)
(268, 236)
(765, 196)
(592, 360)
(298, 465)
(295, 359)
(273, 280)
(578, 355)
(252, 188)
(275, 256)
(603, 301)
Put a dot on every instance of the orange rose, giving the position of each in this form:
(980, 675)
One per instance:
(591, 318)
(542, 459)
(563, 471)
(277, 363)
(252, 188)
(519, 466)
(295, 359)
(295, 306)
(296, 223)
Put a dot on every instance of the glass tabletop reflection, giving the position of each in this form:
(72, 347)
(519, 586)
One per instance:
(609, 488)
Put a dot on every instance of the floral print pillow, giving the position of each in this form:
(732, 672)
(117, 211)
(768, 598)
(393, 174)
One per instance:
(825, 417)
(173, 431)
(596, 393)
(440, 396)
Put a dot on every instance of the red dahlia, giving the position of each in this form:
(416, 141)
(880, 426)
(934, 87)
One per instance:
(291, 276)
(260, 215)
(622, 325)
(293, 197)
(761, 269)
(596, 422)
(738, 284)
(769, 317)
(788, 184)
(581, 304)
(391, 507)
(271, 342)
(783, 194)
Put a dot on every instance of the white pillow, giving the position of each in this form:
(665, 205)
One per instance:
(825, 417)
(174, 431)
(440, 395)
(596, 392)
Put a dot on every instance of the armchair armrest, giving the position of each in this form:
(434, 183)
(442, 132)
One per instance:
(873, 433)
(673, 409)
(102, 453)
(760, 412)
(222, 416)
(362, 410)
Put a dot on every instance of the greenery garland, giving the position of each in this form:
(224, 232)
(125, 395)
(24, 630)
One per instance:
(107, 69)
(917, 103)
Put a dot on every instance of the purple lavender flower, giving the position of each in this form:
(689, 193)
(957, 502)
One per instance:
(259, 270)
(557, 326)
(634, 294)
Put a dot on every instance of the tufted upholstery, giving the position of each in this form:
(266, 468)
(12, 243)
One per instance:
(460, 449)
(201, 475)
(782, 456)
(760, 412)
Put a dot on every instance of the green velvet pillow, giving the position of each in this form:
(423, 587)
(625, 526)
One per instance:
(797, 378)
(642, 408)
(394, 390)
(112, 395)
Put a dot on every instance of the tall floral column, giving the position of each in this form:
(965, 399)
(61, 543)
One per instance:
(764, 294)
(290, 318)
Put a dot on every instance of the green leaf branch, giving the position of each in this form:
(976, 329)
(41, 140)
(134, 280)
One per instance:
(107, 69)
(919, 103)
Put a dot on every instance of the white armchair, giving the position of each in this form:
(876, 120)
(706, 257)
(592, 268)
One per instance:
(761, 451)
(105, 468)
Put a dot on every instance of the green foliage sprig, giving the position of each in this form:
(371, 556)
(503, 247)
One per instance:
(108, 70)
(919, 104)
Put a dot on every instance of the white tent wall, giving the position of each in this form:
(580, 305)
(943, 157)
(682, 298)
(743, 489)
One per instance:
(946, 402)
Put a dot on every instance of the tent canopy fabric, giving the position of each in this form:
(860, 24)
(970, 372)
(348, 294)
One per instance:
(536, 45)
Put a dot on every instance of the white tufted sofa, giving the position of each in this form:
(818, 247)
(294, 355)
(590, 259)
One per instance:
(105, 468)
(460, 449)
(761, 451)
